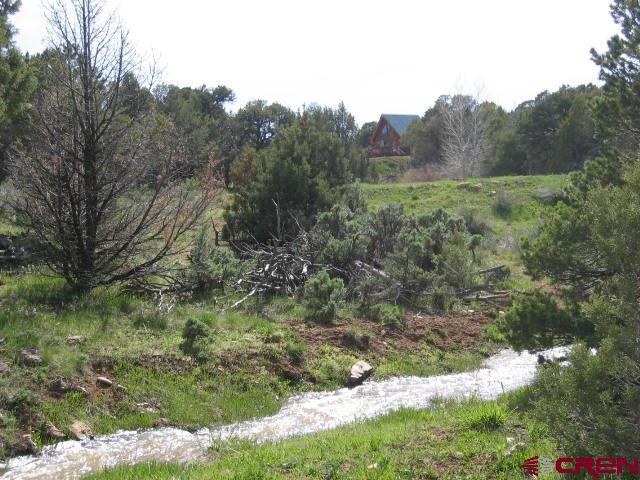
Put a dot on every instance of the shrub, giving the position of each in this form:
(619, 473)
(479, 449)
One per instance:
(331, 367)
(353, 198)
(417, 253)
(195, 338)
(456, 265)
(536, 322)
(485, 417)
(295, 351)
(493, 334)
(358, 338)
(474, 224)
(322, 297)
(384, 227)
(339, 236)
(389, 315)
(504, 204)
(154, 321)
(211, 266)
(441, 299)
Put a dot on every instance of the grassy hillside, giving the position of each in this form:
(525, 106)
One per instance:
(504, 208)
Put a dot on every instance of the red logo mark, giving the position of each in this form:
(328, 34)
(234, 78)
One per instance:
(530, 465)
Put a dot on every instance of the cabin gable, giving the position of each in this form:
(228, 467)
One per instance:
(387, 138)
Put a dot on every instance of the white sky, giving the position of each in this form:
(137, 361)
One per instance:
(393, 56)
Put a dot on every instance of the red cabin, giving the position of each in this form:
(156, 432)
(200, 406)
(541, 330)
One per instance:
(387, 139)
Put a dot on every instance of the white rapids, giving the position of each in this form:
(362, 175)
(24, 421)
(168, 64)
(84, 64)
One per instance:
(302, 414)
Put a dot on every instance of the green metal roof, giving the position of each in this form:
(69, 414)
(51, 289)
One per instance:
(400, 123)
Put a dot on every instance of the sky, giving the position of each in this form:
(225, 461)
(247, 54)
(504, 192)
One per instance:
(393, 56)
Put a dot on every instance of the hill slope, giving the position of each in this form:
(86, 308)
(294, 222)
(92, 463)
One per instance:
(505, 209)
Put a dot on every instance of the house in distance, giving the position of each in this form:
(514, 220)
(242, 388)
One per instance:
(387, 139)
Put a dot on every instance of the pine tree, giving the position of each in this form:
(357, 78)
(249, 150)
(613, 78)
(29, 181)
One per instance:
(17, 83)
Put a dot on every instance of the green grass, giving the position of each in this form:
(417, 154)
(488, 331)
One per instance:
(385, 169)
(7, 228)
(137, 344)
(526, 197)
(129, 340)
(429, 361)
(467, 440)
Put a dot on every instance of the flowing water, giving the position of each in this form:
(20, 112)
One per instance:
(302, 414)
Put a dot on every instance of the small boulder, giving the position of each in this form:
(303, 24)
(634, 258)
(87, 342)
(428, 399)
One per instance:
(62, 387)
(542, 360)
(53, 432)
(80, 431)
(360, 371)
(4, 368)
(59, 386)
(146, 407)
(520, 446)
(28, 444)
(161, 423)
(104, 382)
(78, 389)
(30, 357)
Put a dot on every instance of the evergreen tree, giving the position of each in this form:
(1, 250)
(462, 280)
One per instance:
(281, 188)
(618, 110)
(589, 249)
(17, 84)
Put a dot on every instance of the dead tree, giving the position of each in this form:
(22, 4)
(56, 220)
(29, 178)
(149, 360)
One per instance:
(465, 136)
(99, 175)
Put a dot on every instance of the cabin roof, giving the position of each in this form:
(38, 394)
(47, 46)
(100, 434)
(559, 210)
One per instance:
(400, 123)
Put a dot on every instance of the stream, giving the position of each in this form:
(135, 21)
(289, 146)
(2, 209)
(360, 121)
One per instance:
(302, 414)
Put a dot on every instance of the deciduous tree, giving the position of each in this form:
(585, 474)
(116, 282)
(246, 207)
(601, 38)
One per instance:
(99, 178)
(465, 139)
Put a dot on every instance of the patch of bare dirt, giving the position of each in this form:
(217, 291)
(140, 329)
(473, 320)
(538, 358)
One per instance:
(443, 331)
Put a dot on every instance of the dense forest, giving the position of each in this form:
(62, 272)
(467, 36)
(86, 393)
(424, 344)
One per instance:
(165, 199)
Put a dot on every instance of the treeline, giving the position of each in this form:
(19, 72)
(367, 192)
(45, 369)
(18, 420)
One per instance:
(201, 116)
(553, 133)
